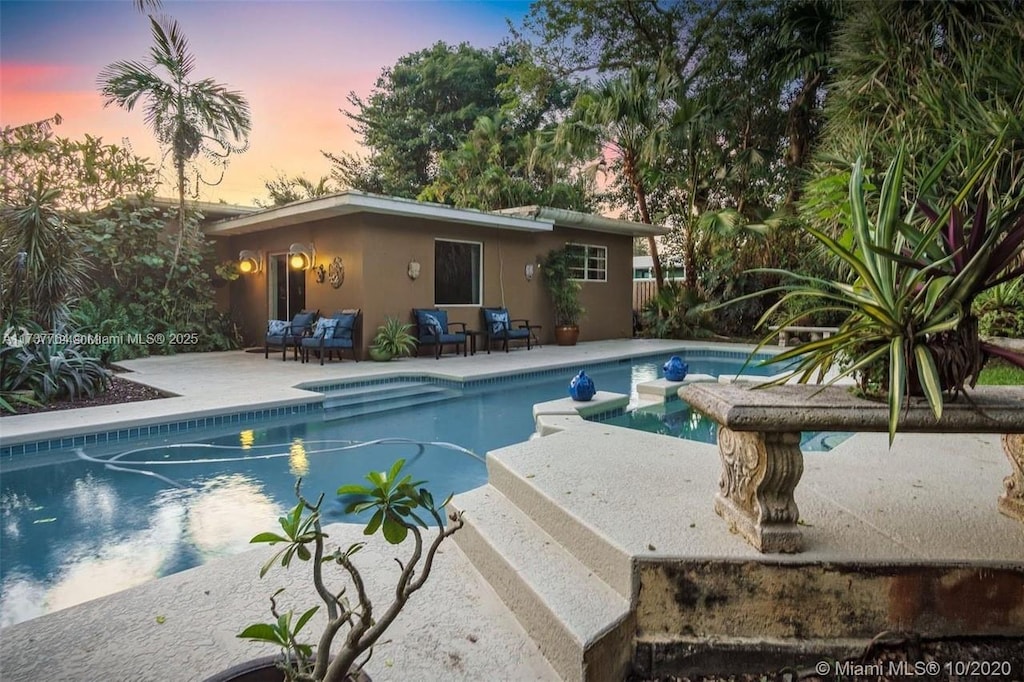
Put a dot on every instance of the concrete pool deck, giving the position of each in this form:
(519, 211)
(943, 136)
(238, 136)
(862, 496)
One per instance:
(618, 502)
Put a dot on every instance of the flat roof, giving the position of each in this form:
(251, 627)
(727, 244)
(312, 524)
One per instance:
(523, 219)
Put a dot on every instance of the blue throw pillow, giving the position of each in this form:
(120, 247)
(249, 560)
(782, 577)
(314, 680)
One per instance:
(278, 327)
(325, 327)
(433, 324)
(344, 326)
(499, 322)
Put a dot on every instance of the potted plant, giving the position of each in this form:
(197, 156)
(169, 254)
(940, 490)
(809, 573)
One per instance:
(565, 295)
(398, 504)
(909, 328)
(392, 340)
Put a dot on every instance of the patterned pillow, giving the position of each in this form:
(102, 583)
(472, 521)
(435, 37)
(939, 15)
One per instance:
(432, 323)
(278, 327)
(499, 322)
(325, 327)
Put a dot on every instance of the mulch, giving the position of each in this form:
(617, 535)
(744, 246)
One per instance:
(120, 391)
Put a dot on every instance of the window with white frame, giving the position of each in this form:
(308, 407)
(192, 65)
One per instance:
(458, 272)
(588, 262)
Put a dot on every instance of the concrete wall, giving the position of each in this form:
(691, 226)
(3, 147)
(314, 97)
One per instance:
(376, 250)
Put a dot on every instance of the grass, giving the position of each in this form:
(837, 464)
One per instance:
(1001, 373)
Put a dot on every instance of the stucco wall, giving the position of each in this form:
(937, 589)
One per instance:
(376, 250)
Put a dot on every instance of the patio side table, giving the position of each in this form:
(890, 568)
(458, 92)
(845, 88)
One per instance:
(535, 333)
(473, 334)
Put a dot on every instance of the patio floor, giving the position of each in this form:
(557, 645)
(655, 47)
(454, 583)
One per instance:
(866, 504)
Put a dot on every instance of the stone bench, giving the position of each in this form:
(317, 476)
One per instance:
(759, 443)
(816, 333)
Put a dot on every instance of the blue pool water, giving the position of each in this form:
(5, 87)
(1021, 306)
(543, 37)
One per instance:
(75, 529)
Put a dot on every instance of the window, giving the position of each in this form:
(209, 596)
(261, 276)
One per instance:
(457, 272)
(589, 262)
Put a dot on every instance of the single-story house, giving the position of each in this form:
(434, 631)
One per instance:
(387, 256)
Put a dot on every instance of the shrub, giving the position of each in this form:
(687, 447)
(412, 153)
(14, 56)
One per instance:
(51, 372)
(675, 312)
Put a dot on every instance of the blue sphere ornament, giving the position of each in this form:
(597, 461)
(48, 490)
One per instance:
(581, 387)
(675, 369)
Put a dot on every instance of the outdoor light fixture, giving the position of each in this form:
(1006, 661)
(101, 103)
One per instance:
(250, 262)
(531, 269)
(414, 269)
(300, 256)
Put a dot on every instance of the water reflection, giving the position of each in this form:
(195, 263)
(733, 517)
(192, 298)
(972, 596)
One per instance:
(181, 528)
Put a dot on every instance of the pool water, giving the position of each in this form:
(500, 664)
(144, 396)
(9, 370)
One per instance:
(676, 419)
(74, 529)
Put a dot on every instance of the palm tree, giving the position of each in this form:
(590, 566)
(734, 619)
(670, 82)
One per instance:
(625, 115)
(188, 117)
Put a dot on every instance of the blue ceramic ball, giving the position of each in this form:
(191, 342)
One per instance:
(675, 369)
(582, 387)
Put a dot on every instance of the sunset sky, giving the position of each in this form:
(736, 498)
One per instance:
(294, 60)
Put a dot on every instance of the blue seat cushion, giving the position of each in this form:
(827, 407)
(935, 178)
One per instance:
(514, 333)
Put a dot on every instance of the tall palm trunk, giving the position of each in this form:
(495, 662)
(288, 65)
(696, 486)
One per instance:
(181, 223)
(629, 168)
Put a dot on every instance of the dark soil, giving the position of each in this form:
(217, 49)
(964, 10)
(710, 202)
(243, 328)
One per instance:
(120, 391)
(898, 658)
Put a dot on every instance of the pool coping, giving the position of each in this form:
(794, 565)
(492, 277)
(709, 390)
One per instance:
(307, 395)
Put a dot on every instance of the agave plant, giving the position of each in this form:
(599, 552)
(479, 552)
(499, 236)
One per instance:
(908, 326)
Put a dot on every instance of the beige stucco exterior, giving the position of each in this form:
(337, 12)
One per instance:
(376, 249)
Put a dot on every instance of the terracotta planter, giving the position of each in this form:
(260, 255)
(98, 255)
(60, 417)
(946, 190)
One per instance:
(265, 670)
(567, 335)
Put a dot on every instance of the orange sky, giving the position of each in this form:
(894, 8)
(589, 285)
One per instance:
(295, 61)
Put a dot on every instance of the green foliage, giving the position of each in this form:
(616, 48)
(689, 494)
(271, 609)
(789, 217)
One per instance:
(908, 310)
(284, 190)
(394, 498)
(87, 173)
(1000, 373)
(919, 75)
(424, 105)
(675, 312)
(128, 242)
(497, 168)
(190, 118)
(41, 258)
(564, 291)
(394, 338)
(1000, 310)
(51, 372)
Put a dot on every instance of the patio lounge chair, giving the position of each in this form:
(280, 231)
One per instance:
(334, 334)
(284, 333)
(499, 327)
(433, 328)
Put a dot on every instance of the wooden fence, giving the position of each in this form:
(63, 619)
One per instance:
(643, 291)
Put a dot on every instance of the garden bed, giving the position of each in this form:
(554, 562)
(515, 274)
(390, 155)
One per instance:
(120, 391)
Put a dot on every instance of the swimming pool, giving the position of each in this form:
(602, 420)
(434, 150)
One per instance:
(74, 529)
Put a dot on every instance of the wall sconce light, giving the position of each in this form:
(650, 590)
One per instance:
(530, 271)
(250, 262)
(414, 269)
(301, 256)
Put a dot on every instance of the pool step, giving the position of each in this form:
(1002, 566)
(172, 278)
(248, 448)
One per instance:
(363, 400)
(581, 625)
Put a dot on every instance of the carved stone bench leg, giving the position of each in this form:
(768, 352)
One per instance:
(759, 474)
(1011, 502)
